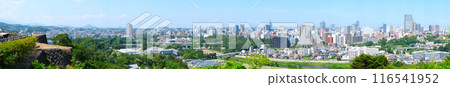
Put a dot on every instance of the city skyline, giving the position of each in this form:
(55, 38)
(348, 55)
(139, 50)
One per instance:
(101, 13)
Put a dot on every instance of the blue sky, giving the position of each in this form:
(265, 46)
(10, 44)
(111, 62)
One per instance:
(115, 13)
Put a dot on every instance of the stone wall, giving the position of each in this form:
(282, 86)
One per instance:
(48, 54)
(53, 56)
(41, 38)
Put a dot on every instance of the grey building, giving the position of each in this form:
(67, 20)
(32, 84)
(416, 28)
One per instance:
(348, 39)
(430, 55)
(280, 42)
(409, 23)
(357, 39)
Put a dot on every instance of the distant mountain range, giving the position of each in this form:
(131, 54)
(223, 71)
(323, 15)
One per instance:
(89, 26)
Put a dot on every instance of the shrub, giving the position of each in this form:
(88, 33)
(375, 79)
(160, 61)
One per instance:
(14, 52)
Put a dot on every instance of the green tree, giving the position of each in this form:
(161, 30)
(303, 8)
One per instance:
(98, 53)
(62, 40)
(232, 65)
(366, 61)
(379, 62)
(398, 64)
(383, 41)
(369, 43)
(256, 61)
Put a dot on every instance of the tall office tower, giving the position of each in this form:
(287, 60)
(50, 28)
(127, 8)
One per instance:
(437, 29)
(414, 28)
(353, 28)
(129, 30)
(306, 35)
(236, 30)
(358, 31)
(322, 25)
(384, 28)
(357, 24)
(348, 39)
(434, 28)
(417, 28)
(408, 23)
(268, 26)
(431, 27)
(242, 28)
(347, 29)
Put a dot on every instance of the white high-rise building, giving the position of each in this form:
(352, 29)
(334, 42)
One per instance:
(129, 30)
(409, 23)
(305, 35)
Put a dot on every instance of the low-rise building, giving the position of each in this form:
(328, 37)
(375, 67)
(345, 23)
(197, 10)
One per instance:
(429, 55)
(352, 52)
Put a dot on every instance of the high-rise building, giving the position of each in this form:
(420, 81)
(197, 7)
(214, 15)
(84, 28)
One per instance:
(305, 37)
(322, 25)
(358, 30)
(129, 30)
(241, 28)
(409, 23)
(357, 24)
(384, 28)
(280, 42)
(437, 29)
(434, 28)
(268, 26)
(348, 39)
(431, 27)
(347, 29)
(417, 28)
(353, 28)
(236, 30)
